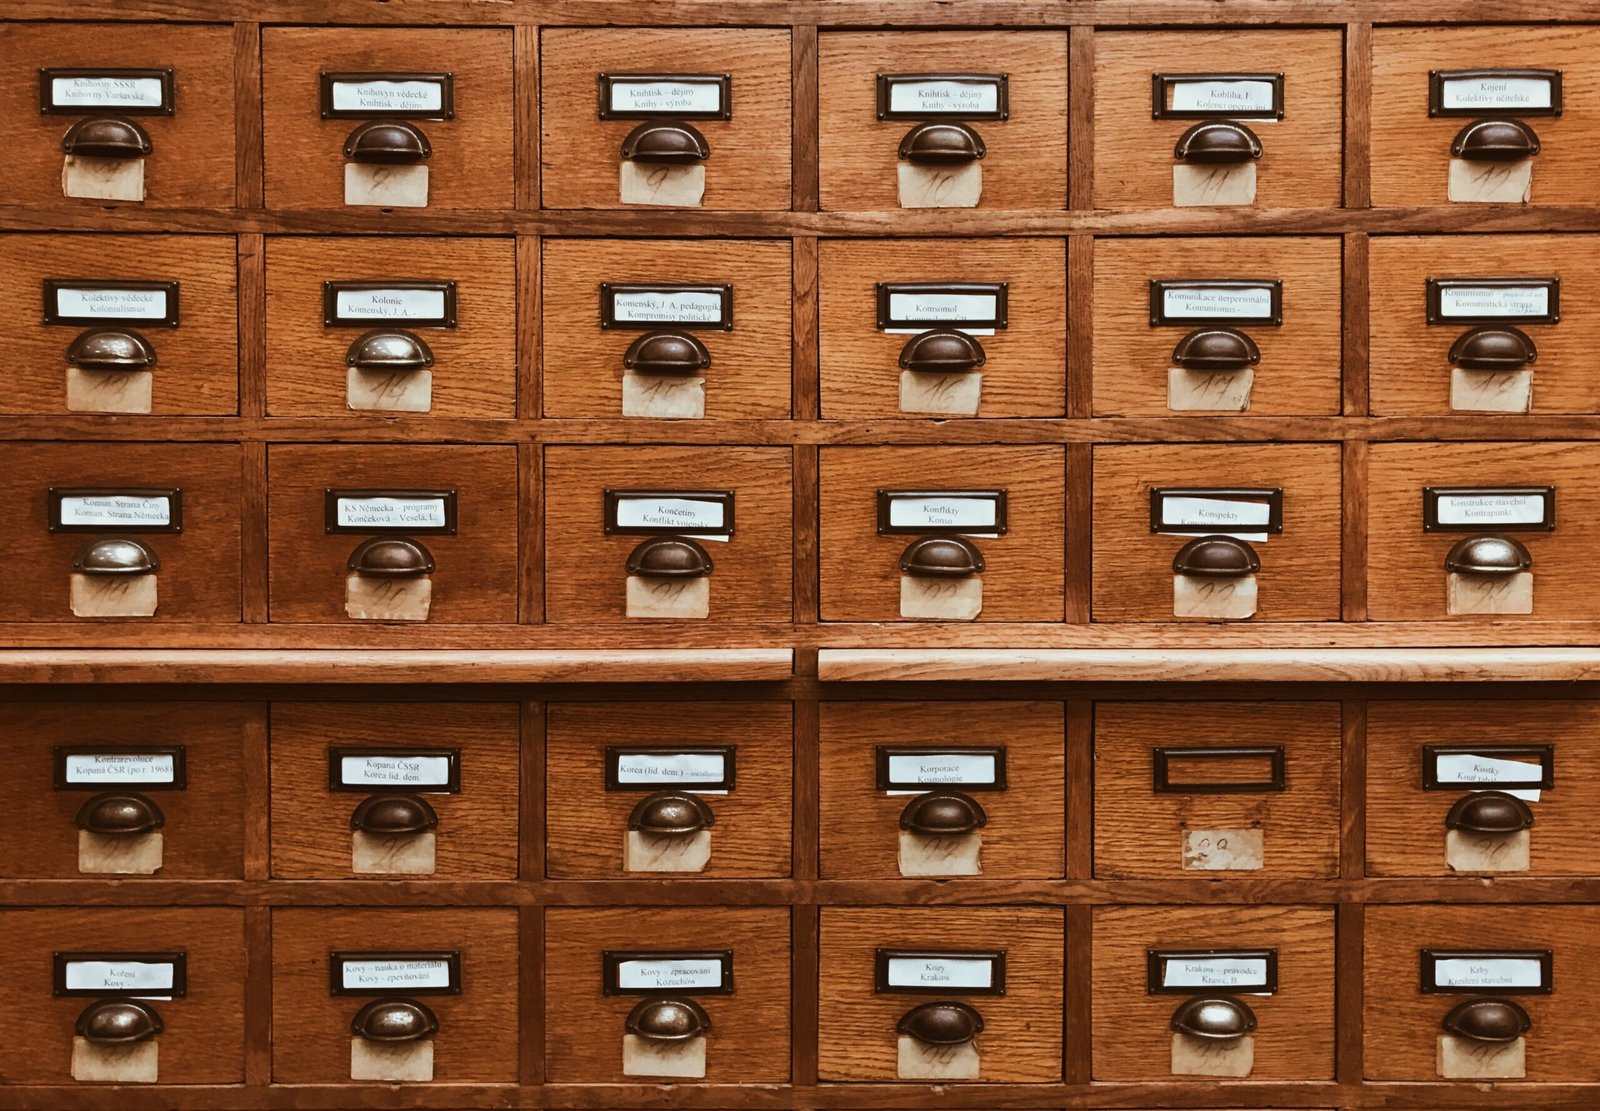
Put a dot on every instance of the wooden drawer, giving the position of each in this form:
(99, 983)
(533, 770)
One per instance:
(1022, 123)
(1143, 956)
(466, 121)
(195, 570)
(745, 125)
(1155, 298)
(433, 786)
(1020, 948)
(1426, 759)
(1023, 372)
(476, 1040)
(1022, 575)
(587, 570)
(885, 764)
(190, 331)
(1413, 341)
(1412, 146)
(64, 757)
(748, 349)
(1406, 575)
(202, 1035)
(313, 354)
(1404, 1024)
(1191, 788)
(745, 950)
(606, 761)
(474, 576)
(1134, 574)
(1134, 152)
(191, 159)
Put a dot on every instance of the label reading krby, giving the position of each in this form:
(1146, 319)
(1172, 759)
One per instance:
(1488, 973)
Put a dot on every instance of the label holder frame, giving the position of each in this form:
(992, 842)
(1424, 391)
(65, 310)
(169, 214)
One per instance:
(611, 961)
(882, 956)
(1161, 757)
(332, 288)
(884, 84)
(337, 753)
(1158, 313)
(1156, 961)
(886, 496)
(1160, 82)
(614, 753)
(327, 79)
(1428, 957)
(723, 81)
(180, 766)
(53, 317)
(178, 959)
(1430, 766)
(338, 957)
(1435, 300)
(1432, 494)
(1438, 77)
(331, 496)
(54, 495)
(613, 499)
(1000, 291)
(885, 782)
(164, 74)
(1271, 496)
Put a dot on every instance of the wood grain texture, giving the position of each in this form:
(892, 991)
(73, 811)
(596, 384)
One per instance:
(588, 824)
(1299, 370)
(1025, 371)
(1021, 1040)
(1025, 161)
(471, 164)
(1139, 832)
(580, 154)
(749, 373)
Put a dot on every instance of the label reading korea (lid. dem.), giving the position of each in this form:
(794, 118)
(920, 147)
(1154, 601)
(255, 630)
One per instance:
(957, 96)
(1474, 92)
(430, 512)
(396, 769)
(1184, 972)
(948, 512)
(925, 971)
(418, 96)
(646, 973)
(126, 92)
(918, 767)
(95, 767)
(707, 768)
(683, 96)
(1503, 972)
(1468, 508)
(1240, 96)
(409, 973)
(115, 510)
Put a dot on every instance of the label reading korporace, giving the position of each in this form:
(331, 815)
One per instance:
(93, 768)
(112, 510)
(120, 976)
(686, 769)
(114, 91)
(1467, 509)
(382, 974)
(665, 95)
(1222, 971)
(933, 971)
(669, 974)
(400, 769)
(1222, 97)
(380, 512)
(933, 768)
(1488, 972)
(374, 94)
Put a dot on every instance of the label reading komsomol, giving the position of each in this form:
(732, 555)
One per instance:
(107, 91)
(382, 512)
(395, 770)
(120, 767)
(402, 97)
(1216, 302)
(940, 972)
(1489, 92)
(667, 306)
(1223, 98)
(685, 769)
(964, 768)
(390, 304)
(379, 974)
(1500, 301)
(1491, 509)
(943, 308)
(115, 510)
(1488, 972)
(665, 95)
(936, 97)
(1215, 972)
(669, 974)
(1467, 768)
(89, 302)
(112, 975)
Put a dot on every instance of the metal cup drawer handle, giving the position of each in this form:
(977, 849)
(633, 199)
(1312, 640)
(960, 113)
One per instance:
(1216, 350)
(118, 1022)
(120, 814)
(669, 557)
(1214, 1017)
(667, 1019)
(942, 144)
(395, 351)
(942, 351)
(1220, 557)
(1488, 555)
(111, 349)
(388, 143)
(1495, 141)
(942, 557)
(115, 555)
(393, 815)
(1488, 1019)
(945, 1022)
(1218, 143)
(1489, 812)
(671, 814)
(394, 1020)
(666, 143)
(943, 813)
(392, 557)
(666, 353)
(106, 137)
(1493, 347)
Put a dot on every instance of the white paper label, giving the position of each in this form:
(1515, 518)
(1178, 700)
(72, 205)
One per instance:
(389, 304)
(934, 511)
(1491, 509)
(121, 767)
(948, 767)
(1216, 302)
(116, 510)
(1224, 515)
(1492, 771)
(685, 768)
(1483, 94)
(1487, 972)
(1222, 97)
(942, 308)
(1214, 972)
(119, 976)
(661, 306)
(668, 974)
(940, 972)
(933, 98)
(384, 974)
(1494, 300)
(395, 513)
(687, 515)
(397, 770)
(92, 303)
(669, 96)
(105, 92)
(404, 97)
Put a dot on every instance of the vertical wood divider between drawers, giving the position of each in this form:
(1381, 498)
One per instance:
(1358, 115)
(530, 533)
(525, 127)
(247, 116)
(530, 327)
(1078, 987)
(1080, 122)
(804, 118)
(530, 994)
(805, 406)
(257, 996)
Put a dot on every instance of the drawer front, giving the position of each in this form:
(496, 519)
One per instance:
(191, 159)
(1405, 1025)
(1406, 575)
(474, 576)
(202, 1031)
(587, 571)
(450, 814)
(1427, 761)
(586, 361)
(1412, 148)
(1024, 161)
(747, 165)
(1022, 569)
(1298, 579)
(608, 764)
(470, 164)
(903, 794)
(115, 363)
(1134, 1036)
(476, 1040)
(1135, 153)
(1287, 360)
(866, 361)
(1187, 789)
(1021, 1037)
(746, 1038)
(317, 367)
(1455, 358)
(187, 576)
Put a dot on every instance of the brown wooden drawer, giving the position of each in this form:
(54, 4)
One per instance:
(1191, 788)
(1133, 565)
(884, 763)
(1426, 759)
(202, 1035)
(312, 355)
(744, 949)
(1413, 340)
(1134, 152)
(748, 162)
(1022, 576)
(191, 159)
(470, 164)
(1023, 128)
(748, 349)
(197, 579)
(1411, 146)
(474, 577)
(1137, 949)
(1406, 575)
(1024, 367)
(586, 570)
(606, 761)
(337, 763)
(1155, 297)
(195, 370)
(1021, 1037)
(476, 1040)
(1404, 1024)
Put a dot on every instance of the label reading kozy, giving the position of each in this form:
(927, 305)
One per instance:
(933, 971)
(91, 768)
(113, 510)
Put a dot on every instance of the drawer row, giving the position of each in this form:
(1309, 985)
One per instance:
(411, 533)
(687, 790)
(699, 117)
